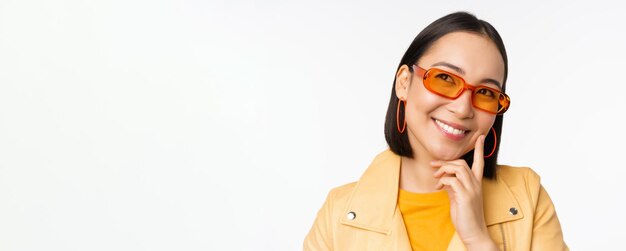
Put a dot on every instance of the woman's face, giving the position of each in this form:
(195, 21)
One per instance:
(429, 117)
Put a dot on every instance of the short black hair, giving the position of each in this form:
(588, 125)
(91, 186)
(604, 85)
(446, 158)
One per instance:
(458, 21)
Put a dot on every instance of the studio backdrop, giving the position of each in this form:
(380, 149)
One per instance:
(222, 125)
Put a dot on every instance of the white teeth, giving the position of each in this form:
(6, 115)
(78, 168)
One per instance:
(449, 129)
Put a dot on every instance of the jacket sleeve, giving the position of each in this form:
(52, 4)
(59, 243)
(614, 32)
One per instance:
(320, 235)
(547, 233)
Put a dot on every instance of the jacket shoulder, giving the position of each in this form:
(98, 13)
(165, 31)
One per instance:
(540, 220)
(513, 175)
(339, 196)
(338, 199)
(322, 233)
(523, 181)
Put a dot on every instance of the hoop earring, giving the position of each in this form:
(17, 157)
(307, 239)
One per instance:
(495, 142)
(398, 117)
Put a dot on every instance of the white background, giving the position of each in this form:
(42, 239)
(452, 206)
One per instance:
(222, 125)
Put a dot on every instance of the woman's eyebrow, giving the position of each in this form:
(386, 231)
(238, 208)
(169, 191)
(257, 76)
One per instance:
(460, 71)
(451, 66)
(492, 81)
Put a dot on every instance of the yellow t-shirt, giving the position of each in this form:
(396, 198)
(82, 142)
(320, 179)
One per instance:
(427, 219)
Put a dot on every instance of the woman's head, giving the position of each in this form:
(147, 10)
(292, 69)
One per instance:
(441, 127)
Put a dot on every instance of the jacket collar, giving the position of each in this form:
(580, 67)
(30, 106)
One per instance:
(374, 199)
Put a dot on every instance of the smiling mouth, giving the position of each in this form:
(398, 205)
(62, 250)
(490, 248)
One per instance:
(454, 131)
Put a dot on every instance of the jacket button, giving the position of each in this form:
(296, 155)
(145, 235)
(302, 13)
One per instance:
(513, 211)
(351, 216)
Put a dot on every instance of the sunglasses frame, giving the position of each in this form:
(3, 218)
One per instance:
(423, 73)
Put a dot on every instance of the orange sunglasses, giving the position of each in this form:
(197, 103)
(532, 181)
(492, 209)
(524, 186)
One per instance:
(451, 86)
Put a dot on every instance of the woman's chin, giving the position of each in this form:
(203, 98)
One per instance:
(446, 155)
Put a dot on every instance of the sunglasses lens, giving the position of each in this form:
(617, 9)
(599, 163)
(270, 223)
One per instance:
(444, 84)
(487, 99)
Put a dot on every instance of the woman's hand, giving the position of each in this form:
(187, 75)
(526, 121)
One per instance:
(466, 201)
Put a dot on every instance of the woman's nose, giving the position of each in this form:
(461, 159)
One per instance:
(462, 106)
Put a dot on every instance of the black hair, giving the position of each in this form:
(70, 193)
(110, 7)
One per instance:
(458, 21)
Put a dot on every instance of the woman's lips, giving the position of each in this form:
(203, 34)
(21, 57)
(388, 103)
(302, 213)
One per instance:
(453, 132)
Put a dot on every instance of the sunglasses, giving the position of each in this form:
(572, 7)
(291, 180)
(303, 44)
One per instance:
(451, 86)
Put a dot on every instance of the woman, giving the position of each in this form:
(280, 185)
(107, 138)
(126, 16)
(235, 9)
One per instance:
(438, 187)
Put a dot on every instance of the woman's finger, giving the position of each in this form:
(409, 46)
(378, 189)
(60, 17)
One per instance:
(453, 183)
(479, 161)
(461, 172)
(437, 163)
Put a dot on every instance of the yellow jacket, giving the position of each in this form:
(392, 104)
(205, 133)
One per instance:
(364, 215)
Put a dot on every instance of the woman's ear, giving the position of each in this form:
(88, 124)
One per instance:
(403, 81)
